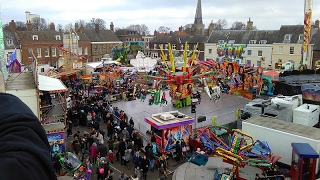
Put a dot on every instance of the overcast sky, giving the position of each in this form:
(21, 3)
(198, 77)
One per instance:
(265, 14)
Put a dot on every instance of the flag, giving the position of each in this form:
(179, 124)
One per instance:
(13, 56)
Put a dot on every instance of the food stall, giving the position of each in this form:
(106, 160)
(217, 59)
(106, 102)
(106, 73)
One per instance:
(170, 127)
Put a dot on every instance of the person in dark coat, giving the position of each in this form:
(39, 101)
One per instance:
(145, 166)
(122, 149)
(25, 151)
(178, 151)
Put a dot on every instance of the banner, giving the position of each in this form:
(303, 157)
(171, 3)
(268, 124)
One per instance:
(171, 136)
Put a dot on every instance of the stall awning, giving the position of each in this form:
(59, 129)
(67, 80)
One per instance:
(52, 85)
(69, 73)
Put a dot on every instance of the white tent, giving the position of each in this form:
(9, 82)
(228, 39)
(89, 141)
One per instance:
(143, 63)
(51, 84)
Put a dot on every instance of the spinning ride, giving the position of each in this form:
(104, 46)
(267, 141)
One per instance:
(182, 82)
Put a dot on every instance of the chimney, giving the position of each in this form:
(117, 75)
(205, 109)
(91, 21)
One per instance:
(52, 26)
(249, 26)
(76, 27)
(211, 28)
(81, 28)
(171, 33)
(29, 26)
(155, 32)
(96, 27)
(12, 26)
(111, 26)
(317, 25)
(180, 28)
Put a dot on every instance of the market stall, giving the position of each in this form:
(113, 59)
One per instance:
(170, 127)
(52, 110)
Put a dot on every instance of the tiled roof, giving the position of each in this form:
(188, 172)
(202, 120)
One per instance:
(293, 30)
(9, 35)
(197, 39)
(103, 35)
(42, 35)
(242, 37)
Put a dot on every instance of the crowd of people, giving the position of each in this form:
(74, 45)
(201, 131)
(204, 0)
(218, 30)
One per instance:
(97, 149)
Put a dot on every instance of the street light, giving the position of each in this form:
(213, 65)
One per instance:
(194, 102)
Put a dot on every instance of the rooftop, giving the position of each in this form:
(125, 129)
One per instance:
(288, 127)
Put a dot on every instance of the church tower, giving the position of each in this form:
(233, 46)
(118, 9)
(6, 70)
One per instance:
(198, 26)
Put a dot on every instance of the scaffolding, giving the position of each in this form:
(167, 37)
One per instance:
(70, 59)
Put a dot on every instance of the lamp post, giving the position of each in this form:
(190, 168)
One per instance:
(194, 102)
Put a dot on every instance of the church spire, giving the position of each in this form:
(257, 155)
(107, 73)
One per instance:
(198, 17)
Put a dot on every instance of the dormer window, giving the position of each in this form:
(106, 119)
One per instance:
(263, 42)
(252, 41)
(9, 42)
(57, 37)
(301, 37)
(220, 41)
(35, 37)
(287, 37)
(231, 41)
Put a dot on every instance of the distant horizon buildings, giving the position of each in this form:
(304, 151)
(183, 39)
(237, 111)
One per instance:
(30, 16)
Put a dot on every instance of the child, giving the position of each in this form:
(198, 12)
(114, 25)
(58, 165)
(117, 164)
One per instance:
(110, 155)
(138, 171)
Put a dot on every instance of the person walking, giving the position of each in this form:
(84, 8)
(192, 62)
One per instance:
(145, 166)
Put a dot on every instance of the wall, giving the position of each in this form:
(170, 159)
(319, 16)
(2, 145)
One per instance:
(29, 97)
(286, 56)
(266, 54)
(213, 55)
(18, 52)
(279, 142)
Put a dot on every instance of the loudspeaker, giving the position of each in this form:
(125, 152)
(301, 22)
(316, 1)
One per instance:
(202, 118)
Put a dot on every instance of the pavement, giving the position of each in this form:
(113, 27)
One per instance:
(224, 109)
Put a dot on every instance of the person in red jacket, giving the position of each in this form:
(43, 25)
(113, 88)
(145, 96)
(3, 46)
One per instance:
(25, 151)
(110, 155)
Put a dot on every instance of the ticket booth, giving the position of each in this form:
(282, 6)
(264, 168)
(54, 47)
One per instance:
(170, 127)
(304, 159)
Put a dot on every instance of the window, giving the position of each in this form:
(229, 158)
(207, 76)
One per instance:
(46, 52)
(301, 37)
(280, 49)
(252, 41)
(161, 46)
(53, 52)
(249, 62)
(291, 50)
(182, 46)
(95, 48)
(29, 52)
(35, 37)
(100, 49)
(263, 42)
(166, 46)
(60, 53)
(85, 50)
(210, 51)
(58, 37)
(174, 46)
(249, 52)
(42, 70)
(259, 53)
(231, 41)
(287, 37)
(38, 52)
(258, 63)
(9, 42)
(155, 46)
(80, 50)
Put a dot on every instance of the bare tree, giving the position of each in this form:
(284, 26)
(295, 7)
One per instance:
(238, 26)
(221, 24)
(187, 28)
(39, 24)
(81, 22)
(59, 27)
(21, 26)
(116, 29)
(163, 29)
(93, 21)
(35, 24)
(140, 28)
(43, 24)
